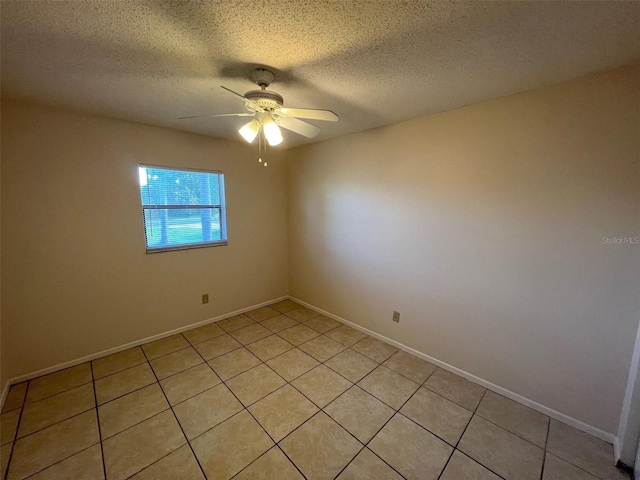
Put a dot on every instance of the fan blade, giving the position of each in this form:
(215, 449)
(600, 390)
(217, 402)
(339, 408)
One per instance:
(312, 114)
(231, 91)
(221, 115)
(253, 104)
(298, 126)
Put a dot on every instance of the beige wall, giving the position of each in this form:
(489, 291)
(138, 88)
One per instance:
(75, 276)
(483, 227)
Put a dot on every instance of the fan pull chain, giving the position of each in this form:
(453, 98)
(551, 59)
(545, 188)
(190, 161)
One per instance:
(262, 148)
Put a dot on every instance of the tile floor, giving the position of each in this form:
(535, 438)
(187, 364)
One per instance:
(281, 393)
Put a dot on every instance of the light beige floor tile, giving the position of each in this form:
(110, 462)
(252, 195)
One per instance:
(206, 410)
(217, 346)
(260, 314)
(250, 334)
(118, 361)
(9, 426)
(56, 408)
(410, 449)
(292, 364)
(504, 453)
(351, 365)
(141, 445)
(346, 335)
(298, 335)
(374, 349)
(368, 466)
(320, 448)
(255, 384)
(285, 306)
(583, 450)
(234, 363)
(57, 382)
(164, 346)
(15, 397)
(124, 382)
(86, 465)
(514, 417)
(131, 409)
(302, 314)
(179, 464)
(322, 323)
(44, 448)
(321, 385)
(461, 467)
(282, 411)
(175, 362)
(437, 414)
(410, 366)
(322, 348)
(205, 332)
(457, 389)
(5, 455)
(186, 384)
(360, 413)
(273, 465)
(557, 469)
(228, 448)
(388, 386)
(269, 347)
(234, 323)
(276, 324)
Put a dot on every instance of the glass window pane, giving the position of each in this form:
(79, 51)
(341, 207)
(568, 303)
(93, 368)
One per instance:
(159, 186)
(170, 200)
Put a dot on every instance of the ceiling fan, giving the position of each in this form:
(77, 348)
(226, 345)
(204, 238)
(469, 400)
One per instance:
(266, 106)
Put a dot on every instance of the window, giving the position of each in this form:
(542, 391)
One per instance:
(182, 208)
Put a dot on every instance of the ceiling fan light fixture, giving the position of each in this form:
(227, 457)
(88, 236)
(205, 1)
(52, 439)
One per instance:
(272, 132)
(250, 130)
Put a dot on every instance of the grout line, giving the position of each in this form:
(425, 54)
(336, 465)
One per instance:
(455, 447)
(546, 441)
(508, 431)
(549, 412)
(481, 464)
(465, 429)
(95, 399)
(472, 415)
(321, 409)
(31, 475)
(56, 423)
(176, 417)
(57, 393)
(118, 371)
(544, 460)
(15, 435)
(396, 412)
(252, 416)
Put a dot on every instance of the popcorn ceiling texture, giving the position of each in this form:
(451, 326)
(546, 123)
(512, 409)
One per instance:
(373, 62)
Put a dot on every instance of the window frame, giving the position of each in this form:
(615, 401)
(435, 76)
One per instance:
(221, 208)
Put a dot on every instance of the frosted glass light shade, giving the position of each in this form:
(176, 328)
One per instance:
(272, 132)
(250, 130)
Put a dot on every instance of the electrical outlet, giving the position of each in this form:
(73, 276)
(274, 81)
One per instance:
(396, 316)
(205, 298)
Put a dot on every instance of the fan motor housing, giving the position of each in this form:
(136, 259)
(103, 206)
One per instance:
(265, 99)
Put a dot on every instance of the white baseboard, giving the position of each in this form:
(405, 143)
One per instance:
(120, 348)
(596, 432)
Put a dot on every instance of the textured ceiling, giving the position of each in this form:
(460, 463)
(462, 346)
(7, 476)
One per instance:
(373, 62)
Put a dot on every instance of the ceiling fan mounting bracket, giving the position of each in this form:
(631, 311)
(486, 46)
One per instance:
(262, 77)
